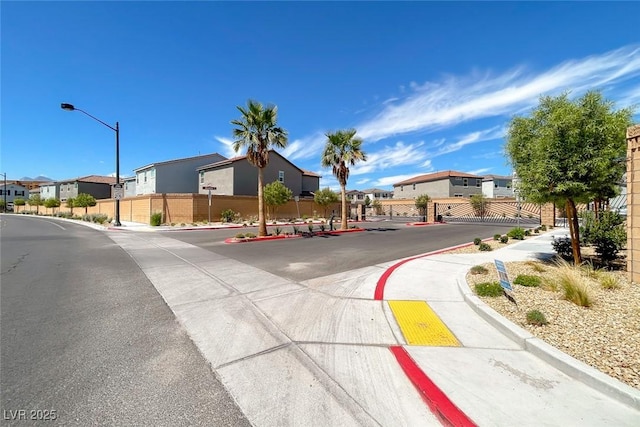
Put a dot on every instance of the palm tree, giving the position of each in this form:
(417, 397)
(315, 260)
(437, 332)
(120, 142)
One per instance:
(342, 149)
(257, 131)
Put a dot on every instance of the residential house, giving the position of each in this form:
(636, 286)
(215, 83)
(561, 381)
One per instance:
(377, 194)
(10, 192)
(439, 184)
(355, 197)
(50, 190)
(129, 185)
(96, 185)
(238, 177)
(172, 176)
(497, 187)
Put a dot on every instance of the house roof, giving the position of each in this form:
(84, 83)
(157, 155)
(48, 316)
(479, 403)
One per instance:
(239, 158)
(183, 159)
(96, 179)
(309, 173)
(436, 176)
(494, 177)
(376, 190)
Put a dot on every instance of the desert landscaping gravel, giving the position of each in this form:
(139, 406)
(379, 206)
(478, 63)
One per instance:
(605, 335)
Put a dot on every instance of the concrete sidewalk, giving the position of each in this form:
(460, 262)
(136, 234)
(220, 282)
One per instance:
(326, 351)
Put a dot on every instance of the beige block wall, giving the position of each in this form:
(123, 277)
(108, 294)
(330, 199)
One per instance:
(633, 203)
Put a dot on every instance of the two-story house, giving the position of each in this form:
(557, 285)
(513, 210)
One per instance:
(496, 187)
(10, 192)
(438, 185)
(377, 194)
(238, 177)
(172, 176)
(98, 186)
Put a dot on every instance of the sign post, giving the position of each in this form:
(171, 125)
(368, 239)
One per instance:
(209, 187)
(504, 281)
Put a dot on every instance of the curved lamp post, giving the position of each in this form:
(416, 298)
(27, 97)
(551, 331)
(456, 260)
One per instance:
(70, 107)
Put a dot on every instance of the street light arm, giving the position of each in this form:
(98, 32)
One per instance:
(96, 119)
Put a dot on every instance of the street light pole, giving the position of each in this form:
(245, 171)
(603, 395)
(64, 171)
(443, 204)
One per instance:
(70, 107)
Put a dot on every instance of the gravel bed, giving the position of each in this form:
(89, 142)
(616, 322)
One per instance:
(605, 335)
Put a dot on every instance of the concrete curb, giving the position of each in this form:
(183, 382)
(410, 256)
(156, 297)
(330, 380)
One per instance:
(570, 366)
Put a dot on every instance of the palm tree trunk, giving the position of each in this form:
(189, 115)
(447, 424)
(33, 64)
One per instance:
(343, 190)
(262, 222)
(574, 231)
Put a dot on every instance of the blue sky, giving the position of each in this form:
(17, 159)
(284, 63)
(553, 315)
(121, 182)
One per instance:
(429, 86)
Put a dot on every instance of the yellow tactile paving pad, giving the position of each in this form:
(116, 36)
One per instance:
(420, 325)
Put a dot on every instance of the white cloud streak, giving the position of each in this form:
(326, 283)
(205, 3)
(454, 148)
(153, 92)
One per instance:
(306, 147)
(227, 146)
(455, 100)
(481, 171)
(398, 154)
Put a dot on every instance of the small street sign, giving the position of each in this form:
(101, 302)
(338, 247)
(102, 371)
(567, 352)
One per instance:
(209, 187)
(118, 192)
(504, 281)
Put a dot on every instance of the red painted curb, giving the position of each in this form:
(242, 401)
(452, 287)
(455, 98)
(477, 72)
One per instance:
(419, 224)
(443, 408)
(378, 295)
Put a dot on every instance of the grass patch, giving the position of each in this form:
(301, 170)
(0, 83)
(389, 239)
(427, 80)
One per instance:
(570, 282)
(609, 282)
(590, 271)
(526, 280)
(537, 318)
(535, 266)
(478, 269)
(488, 289)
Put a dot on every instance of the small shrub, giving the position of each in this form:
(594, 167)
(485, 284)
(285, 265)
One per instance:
(562, 246)
(99, 218)
(504, 239)
(310, 227)
(543, 227)
(156, 219)
(296, 230)
(478, 269)
(322, 227)
(496, 237)
(529, 281)
(277, 231)
(182, 224)
(485, 247)
(239, 236)
(488, 289)
(227, 215)
(527, 233)
(250, 235)
(477, 241)
(536, 318)
(516, 233)
(590, 271)
(609, 282)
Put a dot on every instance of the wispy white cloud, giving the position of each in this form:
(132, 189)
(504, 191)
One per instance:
(391, 156)
(305, 147)
(227, 146)
(455, 100)
(390, 180)
(362, 181)
(481, 171)
(471, 138)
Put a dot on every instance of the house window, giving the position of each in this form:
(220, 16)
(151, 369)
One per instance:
(281, 176)
(402, 188)
(508, 185)
(414, 186)
(360, 196)
(495, 185)
(478, 183)
(145, 177)
(457, 195)
(201, 177)
(465, 182)
(137, 179)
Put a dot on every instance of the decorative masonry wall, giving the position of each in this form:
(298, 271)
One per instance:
(633, 203)
(189, 208)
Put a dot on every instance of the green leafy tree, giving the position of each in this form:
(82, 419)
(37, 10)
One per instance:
(566, 151)
(342, 150)
(325, 198)
(257, 131)
(52, 203)
(377, 207)
(84, 200)
(35, 200)
(479, 204)
(422, 202)
(367, 200)
(70, 203)
(275, 195)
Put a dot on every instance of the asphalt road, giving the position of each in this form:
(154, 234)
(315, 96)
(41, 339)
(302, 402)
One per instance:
(306, 258)
(87, 340)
